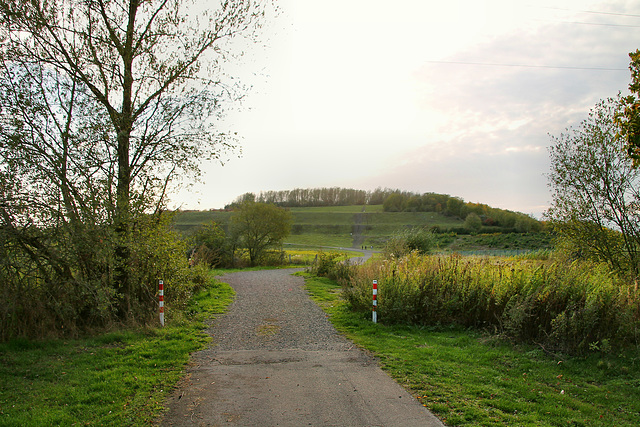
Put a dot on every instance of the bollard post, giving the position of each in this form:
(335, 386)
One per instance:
(161, 289)
(374, 314)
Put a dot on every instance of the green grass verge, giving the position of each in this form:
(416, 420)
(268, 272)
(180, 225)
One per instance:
(470, 379)
(319, 239)
(120, 378)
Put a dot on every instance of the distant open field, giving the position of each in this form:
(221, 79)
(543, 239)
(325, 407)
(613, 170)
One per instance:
(338, 225)
(341, 209)
(188, 219)
(335, 225)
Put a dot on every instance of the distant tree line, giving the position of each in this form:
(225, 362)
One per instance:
(307, 197)
(477, 216)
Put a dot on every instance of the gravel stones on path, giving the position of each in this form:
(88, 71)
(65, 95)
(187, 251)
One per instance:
(272, 311)
(276, 360)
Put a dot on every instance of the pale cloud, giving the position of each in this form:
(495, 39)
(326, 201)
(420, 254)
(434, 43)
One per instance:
(511, 178)
(369, 93)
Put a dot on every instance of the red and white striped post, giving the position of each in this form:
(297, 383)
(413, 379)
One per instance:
(161, 286)
(374, 313)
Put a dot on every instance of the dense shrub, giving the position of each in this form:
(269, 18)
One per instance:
(473, 222)
(419, 240)
(273, 257)
(158, 253)
(61, 296)
(210, 246)
(563, 306)
(332, 265)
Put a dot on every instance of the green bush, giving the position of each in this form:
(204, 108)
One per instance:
(419, 240)
(332, 265)
(158, 253)
(210, 246)
(273, 257)
(74, 291)
(473, 222)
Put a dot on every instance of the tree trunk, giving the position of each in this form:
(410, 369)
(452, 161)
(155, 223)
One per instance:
(123, 189)
(123, 227)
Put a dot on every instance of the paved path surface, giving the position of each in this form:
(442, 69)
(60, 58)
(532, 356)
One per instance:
(277, 361)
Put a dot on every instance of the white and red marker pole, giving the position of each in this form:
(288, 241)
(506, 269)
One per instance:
(161, 288)
(374, 313)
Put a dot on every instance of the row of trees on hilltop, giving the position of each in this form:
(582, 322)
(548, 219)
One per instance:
(404, 201)
(307, 197)
(475, 215)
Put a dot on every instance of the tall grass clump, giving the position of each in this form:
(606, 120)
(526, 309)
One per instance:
(569, 307)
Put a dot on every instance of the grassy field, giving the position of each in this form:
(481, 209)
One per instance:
(319, 240)
(340, 209)
(470, 379)
(120, 378)
(200, 217)
(512, 241)
(335, 225)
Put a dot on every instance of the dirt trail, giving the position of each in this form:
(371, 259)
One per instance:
(358, 230)
(277, 361)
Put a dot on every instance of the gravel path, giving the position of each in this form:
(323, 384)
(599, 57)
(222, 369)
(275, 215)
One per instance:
(277, 361)
(273, 312)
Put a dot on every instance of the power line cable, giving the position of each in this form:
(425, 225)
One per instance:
(590, 23)
(586, 11)
(489, 64)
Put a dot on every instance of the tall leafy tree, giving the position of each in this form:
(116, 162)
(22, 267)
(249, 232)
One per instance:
(596, 191)
(260, 226)
(153, 69)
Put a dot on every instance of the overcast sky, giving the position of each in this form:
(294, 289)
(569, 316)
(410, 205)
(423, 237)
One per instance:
(453, 97)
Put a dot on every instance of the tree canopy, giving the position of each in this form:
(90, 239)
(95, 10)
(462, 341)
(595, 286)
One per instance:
(628, 119)
(104, 104)
(596, 191)
(260, 226)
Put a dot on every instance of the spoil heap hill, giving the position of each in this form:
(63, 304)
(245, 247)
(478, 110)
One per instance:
(355, 226)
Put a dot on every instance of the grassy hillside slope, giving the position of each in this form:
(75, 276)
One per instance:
(355, 226)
